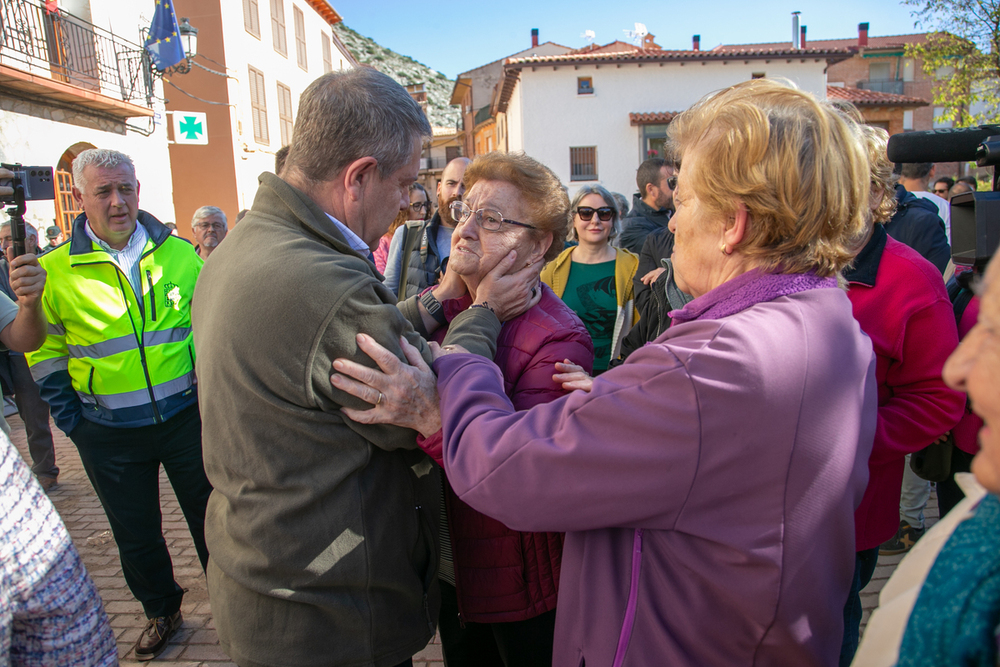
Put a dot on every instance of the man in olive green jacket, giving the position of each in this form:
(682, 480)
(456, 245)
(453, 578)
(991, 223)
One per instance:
(323, 531)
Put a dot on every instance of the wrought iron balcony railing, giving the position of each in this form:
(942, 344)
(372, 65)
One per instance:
(56, 44)
(884, 86)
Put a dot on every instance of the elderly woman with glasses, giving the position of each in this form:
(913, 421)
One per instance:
(594, 278)
(499, 586)
(707, 485)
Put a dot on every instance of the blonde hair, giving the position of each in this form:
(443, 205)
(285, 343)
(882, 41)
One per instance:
(797, 164)
(882, 187)
(539, 187)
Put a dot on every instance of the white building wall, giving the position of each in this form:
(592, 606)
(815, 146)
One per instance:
(36, 135)
(549, 117)
(244, 50)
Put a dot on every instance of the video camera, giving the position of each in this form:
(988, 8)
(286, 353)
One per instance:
(27, 184)
(975, 216)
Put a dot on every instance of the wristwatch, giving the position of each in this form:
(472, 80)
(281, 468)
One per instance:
(433, 307)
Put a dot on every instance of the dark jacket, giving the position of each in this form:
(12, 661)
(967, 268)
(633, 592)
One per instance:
(663, 296)
(918, 225)
(503, 575)
(424, 266)
(323, 531)
(659, 245)
(641, 221)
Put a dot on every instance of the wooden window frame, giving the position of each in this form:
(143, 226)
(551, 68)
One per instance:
(301, 56)
(279, 35)
(258, 104)
(286, 121)
(584, 85)
(327, 52)
(251, 17)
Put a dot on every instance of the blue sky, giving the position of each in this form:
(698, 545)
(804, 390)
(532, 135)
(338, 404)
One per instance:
(453, 37)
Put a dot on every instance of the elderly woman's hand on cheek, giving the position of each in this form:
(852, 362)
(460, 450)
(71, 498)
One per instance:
(511, 294)
(402, 394)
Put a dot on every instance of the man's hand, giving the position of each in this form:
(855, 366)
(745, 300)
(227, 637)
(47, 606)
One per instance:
(28, 330)
(651, 277)
(27, 279)
(510, 295)
(401, 394)
(6, 175)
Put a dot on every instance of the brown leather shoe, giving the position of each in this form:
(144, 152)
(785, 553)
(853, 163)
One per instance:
(154, 638)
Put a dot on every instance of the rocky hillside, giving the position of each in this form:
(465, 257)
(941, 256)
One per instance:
(406, 71)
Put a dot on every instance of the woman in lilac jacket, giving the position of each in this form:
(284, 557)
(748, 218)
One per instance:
(706, 486)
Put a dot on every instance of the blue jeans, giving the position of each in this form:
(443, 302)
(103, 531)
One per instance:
(864, 567)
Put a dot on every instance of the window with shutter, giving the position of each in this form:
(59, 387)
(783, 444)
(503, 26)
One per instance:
(327, 53)
(285, 113)
(300, 38)
(251, 18)
(258, 106)
(278, 27)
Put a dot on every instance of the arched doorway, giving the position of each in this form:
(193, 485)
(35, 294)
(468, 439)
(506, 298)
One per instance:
(66, 207)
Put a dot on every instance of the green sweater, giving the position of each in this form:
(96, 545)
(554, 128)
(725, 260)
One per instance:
(322, 531)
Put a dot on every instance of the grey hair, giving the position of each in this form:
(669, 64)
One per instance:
(206, 211)
(608, 198)
(98, 157)
(28, 229)
(345, 116)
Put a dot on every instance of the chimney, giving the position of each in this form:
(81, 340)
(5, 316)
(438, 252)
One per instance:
(534, 37)
(795, 30)
(696, 43)
(862, 35)
(802, 38)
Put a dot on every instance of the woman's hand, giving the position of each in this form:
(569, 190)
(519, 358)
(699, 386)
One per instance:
(451, 286)
(510, 294)
(404, 395)
(651, 277)
(571, 376)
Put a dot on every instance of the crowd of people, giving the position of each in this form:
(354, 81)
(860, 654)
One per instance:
(559, 431)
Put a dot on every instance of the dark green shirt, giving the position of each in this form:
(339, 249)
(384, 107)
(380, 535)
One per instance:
(590, 293)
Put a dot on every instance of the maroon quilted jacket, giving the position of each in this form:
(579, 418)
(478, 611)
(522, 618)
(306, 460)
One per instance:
(503, 575)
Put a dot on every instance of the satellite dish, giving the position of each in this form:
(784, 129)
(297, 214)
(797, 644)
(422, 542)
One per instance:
(637, 35)
(589, 36)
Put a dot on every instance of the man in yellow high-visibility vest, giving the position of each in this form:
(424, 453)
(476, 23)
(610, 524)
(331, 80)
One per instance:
(117, 369)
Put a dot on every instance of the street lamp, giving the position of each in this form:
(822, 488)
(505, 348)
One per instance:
(189, 38)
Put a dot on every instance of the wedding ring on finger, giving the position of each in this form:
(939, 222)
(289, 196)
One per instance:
(379, 401)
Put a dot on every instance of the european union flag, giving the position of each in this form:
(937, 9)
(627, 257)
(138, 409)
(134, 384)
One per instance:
(164, 42)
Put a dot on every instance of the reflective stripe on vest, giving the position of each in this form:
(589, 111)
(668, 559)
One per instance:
(132, 399)
(106, 348)
(47, 367)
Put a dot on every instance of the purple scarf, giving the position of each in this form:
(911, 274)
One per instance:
(747, 290)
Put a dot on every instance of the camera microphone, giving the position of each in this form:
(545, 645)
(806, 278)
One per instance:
(950, 145)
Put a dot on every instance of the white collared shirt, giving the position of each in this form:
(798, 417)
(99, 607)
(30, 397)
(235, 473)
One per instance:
(127, 258)
(353, 239)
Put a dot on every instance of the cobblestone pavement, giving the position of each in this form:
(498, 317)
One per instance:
(197, 644)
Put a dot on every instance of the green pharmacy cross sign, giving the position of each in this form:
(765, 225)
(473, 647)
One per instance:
(190, 127)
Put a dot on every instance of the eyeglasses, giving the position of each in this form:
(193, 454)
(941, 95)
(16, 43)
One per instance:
(418, 206)
(604, 213)
(209, 225)
(489, 219)
(943, 192)
(672, 182)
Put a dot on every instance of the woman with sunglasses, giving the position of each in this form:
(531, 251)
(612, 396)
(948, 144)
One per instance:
(594, 278)
(419, 209)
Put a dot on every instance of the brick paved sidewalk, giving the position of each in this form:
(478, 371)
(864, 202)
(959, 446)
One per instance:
(197, 644)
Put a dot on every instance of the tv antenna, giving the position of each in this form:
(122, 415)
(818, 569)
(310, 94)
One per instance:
(637, 35)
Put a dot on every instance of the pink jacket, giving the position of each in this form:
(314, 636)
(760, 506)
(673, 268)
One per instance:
(901, 302)
(707, 486)
(503, 575)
